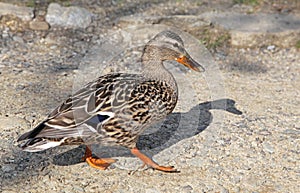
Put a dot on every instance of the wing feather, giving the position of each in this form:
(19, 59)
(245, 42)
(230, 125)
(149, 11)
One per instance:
(82, 113)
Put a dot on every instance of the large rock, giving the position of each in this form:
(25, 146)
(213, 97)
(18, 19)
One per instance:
(251, 30)
(24, 13)
(69, 17)
(246, 30)
(189, 21)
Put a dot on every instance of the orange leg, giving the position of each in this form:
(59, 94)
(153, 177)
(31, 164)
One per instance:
(99, 163)
(151, 163)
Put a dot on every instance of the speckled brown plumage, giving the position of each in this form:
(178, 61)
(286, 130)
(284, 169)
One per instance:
(116, 108)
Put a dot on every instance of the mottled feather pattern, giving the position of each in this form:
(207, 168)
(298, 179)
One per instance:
(149, 102)
(116, 108)
(135, 101)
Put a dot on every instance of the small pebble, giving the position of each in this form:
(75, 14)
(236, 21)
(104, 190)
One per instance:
(267, 147)
(271, 48)
(18, 39)
(38, 25)
(187, 188)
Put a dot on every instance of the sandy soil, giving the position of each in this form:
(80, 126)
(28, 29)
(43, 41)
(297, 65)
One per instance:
(215, 148)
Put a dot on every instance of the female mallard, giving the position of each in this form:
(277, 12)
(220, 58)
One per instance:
(116, 108)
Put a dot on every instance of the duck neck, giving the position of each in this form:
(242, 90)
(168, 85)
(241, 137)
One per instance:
(154, 69)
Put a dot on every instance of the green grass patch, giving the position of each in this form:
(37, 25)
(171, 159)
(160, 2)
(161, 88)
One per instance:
(213, 38)
(246, 2)
(30, 3)
(298, 44)
(65, 3)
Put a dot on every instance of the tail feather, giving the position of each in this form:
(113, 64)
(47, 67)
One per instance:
(39, 144)
(33, 144)
(44, 137)
(31, 134)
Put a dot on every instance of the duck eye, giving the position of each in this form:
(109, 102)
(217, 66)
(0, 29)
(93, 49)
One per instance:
(180, 58)
(176, 45)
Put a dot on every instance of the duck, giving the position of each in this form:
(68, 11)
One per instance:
(115, 109)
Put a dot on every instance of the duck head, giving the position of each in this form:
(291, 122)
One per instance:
(167, 45)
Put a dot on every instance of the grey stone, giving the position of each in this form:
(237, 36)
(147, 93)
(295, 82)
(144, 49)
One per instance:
(267, 147)
(255, 22)
(69, 17)
(78, 189)
(8, 167)
(271, 47)
(18, 39)
(186, 189)
(151, 190)
(292, 132)
(24, 13)
(5, 34)
(224, 190)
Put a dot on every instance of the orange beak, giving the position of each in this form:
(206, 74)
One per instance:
(190, 63)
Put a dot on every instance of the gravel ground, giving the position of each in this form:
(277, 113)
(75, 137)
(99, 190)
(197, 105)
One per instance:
(215, 148)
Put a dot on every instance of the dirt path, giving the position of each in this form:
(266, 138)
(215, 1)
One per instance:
(215, 149)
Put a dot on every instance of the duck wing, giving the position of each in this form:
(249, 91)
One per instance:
(82, 113)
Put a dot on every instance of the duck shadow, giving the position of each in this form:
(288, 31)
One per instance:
(176, 127)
